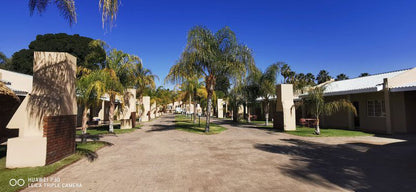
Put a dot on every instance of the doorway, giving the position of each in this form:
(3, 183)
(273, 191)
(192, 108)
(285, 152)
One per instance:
(357, 117)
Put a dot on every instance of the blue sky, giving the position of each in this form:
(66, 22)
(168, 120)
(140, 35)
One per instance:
(341, 36)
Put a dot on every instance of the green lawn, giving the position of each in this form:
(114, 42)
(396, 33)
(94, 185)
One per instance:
(263, 123)
(309, 132)
(184, 123)
(102, 130)
(86, 149)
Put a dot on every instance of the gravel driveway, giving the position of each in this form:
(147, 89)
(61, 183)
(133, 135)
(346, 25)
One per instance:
(244, 158)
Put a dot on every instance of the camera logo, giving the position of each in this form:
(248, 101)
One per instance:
(16, 182)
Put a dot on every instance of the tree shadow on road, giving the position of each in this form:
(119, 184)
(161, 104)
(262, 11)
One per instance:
(354, 166)
(161, 127)
(90, 154)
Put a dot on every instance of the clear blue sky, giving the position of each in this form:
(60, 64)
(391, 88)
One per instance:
(341, 36)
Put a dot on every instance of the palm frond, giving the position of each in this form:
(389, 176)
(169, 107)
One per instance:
(109, 9)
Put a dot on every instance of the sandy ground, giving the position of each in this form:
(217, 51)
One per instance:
(243, 158)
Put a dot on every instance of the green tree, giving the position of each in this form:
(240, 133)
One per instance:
(210, 55)
(268, 86)
(323, 76)
(109, 9)
(189, 83)
(116, 78)
(317, 106)
(341, 76)
(89, 87)
(364, 74)
(4, 61)
(22, 62)
(251, 89)
(90, 53)
(143, 79)
(310, 79)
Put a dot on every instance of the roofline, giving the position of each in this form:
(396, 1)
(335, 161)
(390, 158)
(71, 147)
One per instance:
(406, 69)
(402, 89)
(17, 73)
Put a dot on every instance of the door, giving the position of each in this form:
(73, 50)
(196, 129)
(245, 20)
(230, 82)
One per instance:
(357, 118)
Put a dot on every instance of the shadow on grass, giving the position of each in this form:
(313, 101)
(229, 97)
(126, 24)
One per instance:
(91, 155)
(354, 166)
(89, 136)
(3, 149)
(246, 125)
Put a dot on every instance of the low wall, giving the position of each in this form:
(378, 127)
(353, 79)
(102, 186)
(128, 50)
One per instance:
(60, 134)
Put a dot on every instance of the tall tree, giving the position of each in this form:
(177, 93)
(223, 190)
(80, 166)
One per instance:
(286, 72)
(116, 78)
(210, 55)
(323, 76)
(144, 78)
(341, 76)
(109, 9)
(89, 87)
(317, 106)
(90, 53)
(310, 79)
(364, 74)
(251, 89)
(268, 86)
(4, 61)
(189, 82)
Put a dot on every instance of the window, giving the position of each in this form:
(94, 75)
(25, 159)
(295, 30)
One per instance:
(376, 108)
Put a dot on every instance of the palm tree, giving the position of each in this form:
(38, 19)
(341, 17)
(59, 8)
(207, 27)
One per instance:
(89, 87)
(317, 106)
(109, 9)
(210, 55)
(310, 79)
(117, 75)
(189, 82)
(142, 78)
(251, 89)
(323, 77)
(4, 61)
(364, 74)
(268, 86)
(341, 76)
(285, 72)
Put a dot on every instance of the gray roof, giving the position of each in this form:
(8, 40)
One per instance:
(365, 84)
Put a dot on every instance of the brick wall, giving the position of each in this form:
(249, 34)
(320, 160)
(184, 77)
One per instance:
(60, 133)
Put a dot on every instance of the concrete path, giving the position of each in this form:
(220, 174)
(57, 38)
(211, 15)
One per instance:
(244, 158)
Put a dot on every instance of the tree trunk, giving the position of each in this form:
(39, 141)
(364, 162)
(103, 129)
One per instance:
(248, 114)
(244, 111)
(194, 110)
(235, 113)
(190, 103)
(317, 130)
(111, 112)
(84, 124)
(267, 113)
(209, 103)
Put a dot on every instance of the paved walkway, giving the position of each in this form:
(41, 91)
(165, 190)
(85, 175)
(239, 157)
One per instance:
(158, 158)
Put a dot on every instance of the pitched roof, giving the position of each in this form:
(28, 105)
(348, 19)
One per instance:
(407, 87)
(20, 83)
(365, 84)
